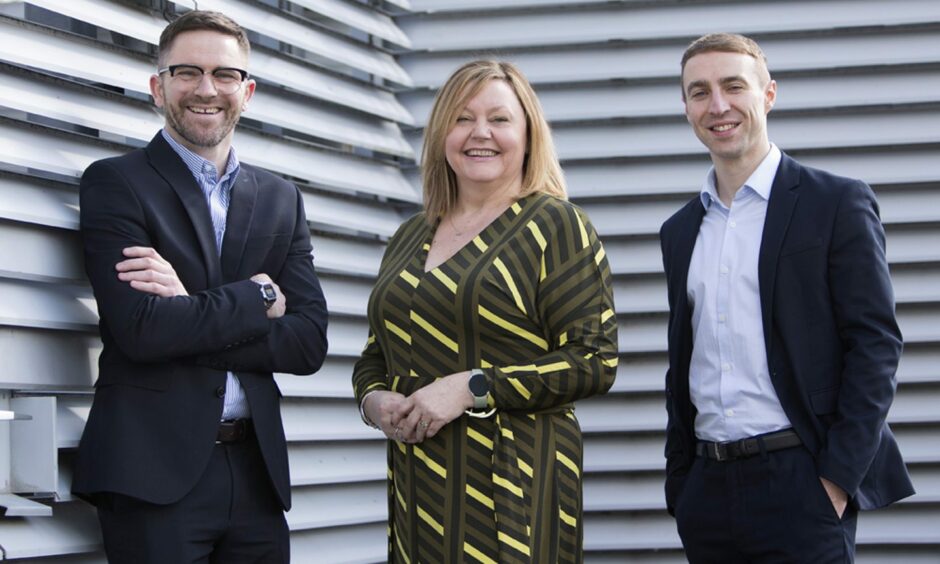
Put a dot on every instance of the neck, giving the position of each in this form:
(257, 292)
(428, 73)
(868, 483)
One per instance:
(216, 154)
(731, 174)
(474, 198)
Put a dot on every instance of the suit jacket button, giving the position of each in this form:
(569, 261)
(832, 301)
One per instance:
(220, 391)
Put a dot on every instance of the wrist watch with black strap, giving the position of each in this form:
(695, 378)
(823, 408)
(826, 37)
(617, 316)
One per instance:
(268, 294)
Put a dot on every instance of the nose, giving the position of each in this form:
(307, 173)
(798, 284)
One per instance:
(481, 129)
(206, 86)
(718, 104)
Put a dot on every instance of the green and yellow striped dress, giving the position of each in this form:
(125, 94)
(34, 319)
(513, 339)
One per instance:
(530, 301)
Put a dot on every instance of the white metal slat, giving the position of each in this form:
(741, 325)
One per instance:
(337, 462)
(28, 362)
(360, 18)
(73, 529)
(654, 22)
(56, 52)
(146, 27)
(353, 544)
(685, 174)
(333, 380)
(29, 252)
(357, 56)
(44, 307)
(71, 155)
(790, 132)
(30, 201)
(641, 61)
(133, 120)
(337, 505)
(641, 100)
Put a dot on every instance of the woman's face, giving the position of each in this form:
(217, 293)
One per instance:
(486, 145)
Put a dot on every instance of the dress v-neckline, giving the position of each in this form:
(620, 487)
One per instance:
(429, 239)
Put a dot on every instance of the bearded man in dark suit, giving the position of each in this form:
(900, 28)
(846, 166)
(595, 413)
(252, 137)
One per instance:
(202, 270)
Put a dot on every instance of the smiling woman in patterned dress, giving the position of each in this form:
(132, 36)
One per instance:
(492, 313)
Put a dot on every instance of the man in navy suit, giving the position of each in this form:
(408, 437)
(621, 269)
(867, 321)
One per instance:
(783, 343)
(202, 270)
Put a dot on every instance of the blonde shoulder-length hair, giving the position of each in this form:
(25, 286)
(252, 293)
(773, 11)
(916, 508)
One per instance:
(541, 171)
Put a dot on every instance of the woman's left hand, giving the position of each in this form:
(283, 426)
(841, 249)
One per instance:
(436, 405)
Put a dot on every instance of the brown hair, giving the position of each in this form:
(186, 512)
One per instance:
(199, 20)
(726, 43)
(541, 171)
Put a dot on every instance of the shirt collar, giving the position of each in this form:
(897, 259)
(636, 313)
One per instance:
(760, 182)
(199, 166)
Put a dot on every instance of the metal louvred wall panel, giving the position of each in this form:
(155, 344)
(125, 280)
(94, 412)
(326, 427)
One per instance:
(857, 94)
(73, 89)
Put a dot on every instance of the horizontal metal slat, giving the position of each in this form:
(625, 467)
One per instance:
(359, 17)
(70, 155)
(30, 200)
(30, 252)
(637, 100)
(146, 27)
(353, 544)
(72, 529)
(337, 505)
(613, 22)
(814, 53)
(346, 52)
(684, 174)
(33, 46)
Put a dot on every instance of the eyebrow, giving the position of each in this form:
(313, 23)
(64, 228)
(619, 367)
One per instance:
(722, 81)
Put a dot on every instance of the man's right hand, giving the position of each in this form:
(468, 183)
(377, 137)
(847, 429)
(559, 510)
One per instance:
(279, 308)
(147, 271)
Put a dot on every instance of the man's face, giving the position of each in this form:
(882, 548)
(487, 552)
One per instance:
(727, 98)
(198, 115)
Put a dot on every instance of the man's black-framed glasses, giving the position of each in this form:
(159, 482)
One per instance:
(227, 80)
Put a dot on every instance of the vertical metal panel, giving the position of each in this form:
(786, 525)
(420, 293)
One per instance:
(854, 99)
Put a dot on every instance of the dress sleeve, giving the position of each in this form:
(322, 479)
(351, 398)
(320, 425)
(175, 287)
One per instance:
(575, 306)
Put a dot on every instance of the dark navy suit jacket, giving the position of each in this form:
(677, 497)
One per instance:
(831, 337)
(162, 369)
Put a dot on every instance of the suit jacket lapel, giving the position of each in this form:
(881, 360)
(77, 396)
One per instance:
(169, 165)
(783, 197)
(238, 222)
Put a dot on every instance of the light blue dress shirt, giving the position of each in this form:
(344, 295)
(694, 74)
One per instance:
(217, 192)
(729, 380)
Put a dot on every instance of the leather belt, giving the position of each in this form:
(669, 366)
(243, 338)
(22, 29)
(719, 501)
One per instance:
(234, 431)
(746, 448)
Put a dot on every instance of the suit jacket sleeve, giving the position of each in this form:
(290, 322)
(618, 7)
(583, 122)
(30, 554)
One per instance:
(296, 342)
(863, 304)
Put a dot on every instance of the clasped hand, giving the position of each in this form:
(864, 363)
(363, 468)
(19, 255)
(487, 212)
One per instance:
(146, 271)
(421, 415)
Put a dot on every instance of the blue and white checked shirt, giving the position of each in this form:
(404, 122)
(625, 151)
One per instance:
(217, 192)
(729, 380)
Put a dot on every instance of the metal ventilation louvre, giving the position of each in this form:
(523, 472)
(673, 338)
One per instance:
(345, 87)
(857, 95)
(73, 89)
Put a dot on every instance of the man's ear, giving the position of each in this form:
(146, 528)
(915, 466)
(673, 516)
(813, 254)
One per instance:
(770, 96)
(156, 90)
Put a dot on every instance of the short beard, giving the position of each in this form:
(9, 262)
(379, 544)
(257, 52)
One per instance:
(206, 139)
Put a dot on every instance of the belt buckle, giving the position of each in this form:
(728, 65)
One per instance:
(720, 451)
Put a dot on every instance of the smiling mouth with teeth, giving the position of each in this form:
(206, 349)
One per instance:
(206, 111)
(724, 127)
(480, 153)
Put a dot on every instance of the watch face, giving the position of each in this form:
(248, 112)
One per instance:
(268, 292)
(478, 385)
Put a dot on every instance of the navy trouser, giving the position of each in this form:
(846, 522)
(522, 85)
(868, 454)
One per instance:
(232, 515)
(769, 508)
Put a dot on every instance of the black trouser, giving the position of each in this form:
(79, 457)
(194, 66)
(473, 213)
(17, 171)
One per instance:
(767, 508)
(231, 516)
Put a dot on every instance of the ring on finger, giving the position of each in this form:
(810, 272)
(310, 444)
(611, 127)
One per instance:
(424, 424)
